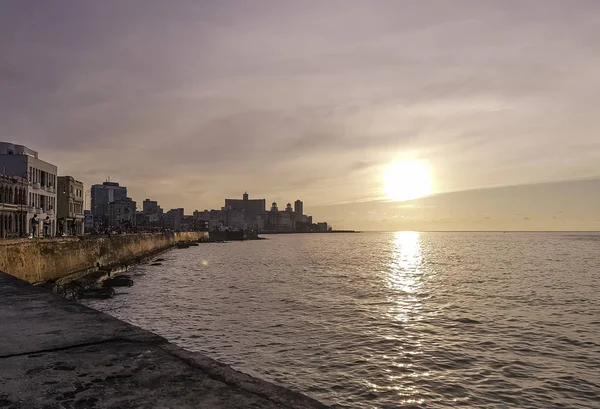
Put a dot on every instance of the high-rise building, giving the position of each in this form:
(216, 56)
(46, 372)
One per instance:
(39, 209)
(102, 195)
(70, 215)
(251, 207)
(298, 209)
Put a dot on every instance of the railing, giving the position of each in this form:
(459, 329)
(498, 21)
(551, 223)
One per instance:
(36, 185)
(50, 212)
(38, 210)
(50, 189)
(9, 206)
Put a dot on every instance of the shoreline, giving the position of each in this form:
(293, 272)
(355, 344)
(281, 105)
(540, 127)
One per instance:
(49, 260)
(313, 232)
(59, 352)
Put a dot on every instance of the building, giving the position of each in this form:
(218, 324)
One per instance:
(248, 206)
(173, 219)
(151, 207)
(140, 219)
(102, 196)
(121, 214)
(22, 162)
(256, 222)
(322, 227)
(280, 221)
(70, 216)
(152, 215)
(89, 221)
(13, 206)
(299, 210)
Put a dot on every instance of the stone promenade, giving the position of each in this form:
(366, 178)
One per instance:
(56, 353)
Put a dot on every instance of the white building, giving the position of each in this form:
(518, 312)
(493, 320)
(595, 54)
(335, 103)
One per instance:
(20, 161)
(13, 206)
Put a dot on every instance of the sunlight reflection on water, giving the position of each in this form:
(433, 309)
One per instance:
(404, 275)
(389, 319)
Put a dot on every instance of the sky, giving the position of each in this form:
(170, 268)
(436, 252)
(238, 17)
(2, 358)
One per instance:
(189, 102)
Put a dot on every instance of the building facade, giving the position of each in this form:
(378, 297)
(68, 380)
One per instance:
(22, 162)
(173, 219)
(70, 216)
(102, 196)
(151, 215)
(13, 206)
(248, 206)
(151, 207)
(299, 210)
(280, 221)
(88, 221)
(122, 214)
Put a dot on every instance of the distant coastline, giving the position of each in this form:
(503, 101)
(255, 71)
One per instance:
(310, 232)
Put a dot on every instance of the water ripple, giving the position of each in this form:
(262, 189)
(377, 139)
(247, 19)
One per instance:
(389, 320)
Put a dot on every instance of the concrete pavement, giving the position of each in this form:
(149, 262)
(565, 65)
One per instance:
(56, 354)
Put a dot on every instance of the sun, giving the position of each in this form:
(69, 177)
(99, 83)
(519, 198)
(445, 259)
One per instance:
(407, 180)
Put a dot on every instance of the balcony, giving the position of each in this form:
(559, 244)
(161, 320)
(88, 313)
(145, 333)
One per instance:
(50, 212)
(36, 185)
(39, 210)
(50, 189)
(9, 206)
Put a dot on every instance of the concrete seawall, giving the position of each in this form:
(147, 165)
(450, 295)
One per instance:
(56, 353)
(42, 260)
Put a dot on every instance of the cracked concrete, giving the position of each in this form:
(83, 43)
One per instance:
(57, 354)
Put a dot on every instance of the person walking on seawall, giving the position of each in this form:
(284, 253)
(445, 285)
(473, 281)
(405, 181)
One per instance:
(34, 226)
(46, 226)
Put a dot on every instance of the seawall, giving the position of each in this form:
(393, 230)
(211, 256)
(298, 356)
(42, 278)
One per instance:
(56, 353)
(42, 260)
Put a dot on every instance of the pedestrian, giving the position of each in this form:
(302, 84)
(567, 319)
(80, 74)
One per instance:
(34, 226)
(46, 225)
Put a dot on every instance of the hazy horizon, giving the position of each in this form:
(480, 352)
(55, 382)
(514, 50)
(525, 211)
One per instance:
(491, 104)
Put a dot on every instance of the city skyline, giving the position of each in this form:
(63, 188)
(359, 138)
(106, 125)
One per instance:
(188, 103)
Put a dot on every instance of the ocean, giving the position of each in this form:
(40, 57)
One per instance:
(388, 320)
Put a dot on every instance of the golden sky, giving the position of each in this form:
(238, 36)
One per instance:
(190, 102)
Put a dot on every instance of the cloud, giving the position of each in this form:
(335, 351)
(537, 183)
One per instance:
(187, 102)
